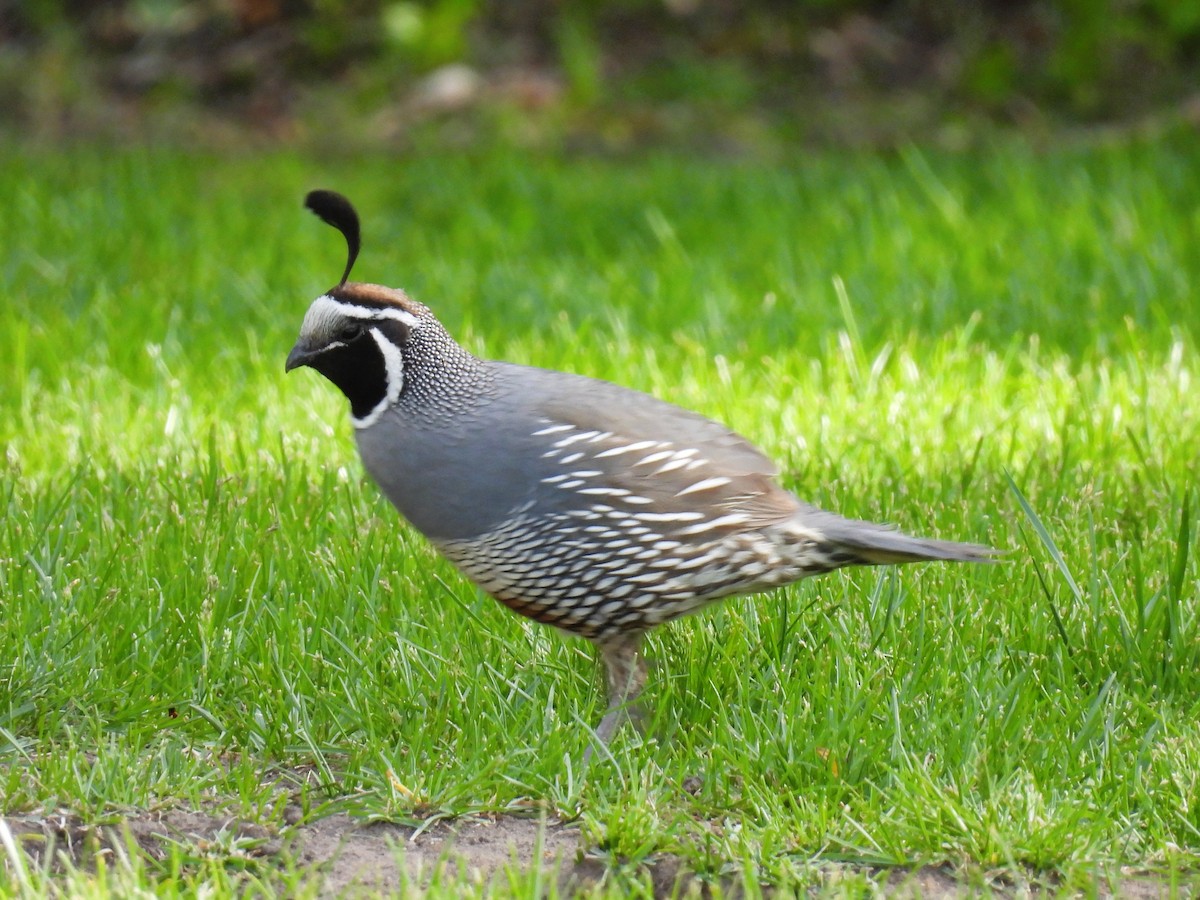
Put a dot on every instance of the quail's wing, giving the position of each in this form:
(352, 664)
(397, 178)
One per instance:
(608, 446)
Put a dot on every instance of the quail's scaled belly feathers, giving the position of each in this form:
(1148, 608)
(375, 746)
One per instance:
(578, 503)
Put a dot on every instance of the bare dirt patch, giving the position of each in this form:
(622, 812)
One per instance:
(347, 855)
(352, 858)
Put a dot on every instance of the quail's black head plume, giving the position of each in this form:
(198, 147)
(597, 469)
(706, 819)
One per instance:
(575, 502)
(336, 210)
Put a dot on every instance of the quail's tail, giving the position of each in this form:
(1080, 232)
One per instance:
(878, 545)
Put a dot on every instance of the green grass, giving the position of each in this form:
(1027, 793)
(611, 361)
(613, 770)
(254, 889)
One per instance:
(205, 604)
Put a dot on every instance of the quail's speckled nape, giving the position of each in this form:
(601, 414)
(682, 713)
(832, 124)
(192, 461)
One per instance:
(578, 503)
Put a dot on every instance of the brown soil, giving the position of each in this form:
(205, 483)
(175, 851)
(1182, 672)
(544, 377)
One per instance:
(355, 859)
(348, 856)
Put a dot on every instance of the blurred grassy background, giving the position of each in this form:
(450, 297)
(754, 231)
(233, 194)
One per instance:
(717, 75)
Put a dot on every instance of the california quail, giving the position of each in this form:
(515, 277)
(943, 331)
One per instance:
(578, 503)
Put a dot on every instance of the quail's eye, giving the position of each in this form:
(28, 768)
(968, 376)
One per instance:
(350, 331)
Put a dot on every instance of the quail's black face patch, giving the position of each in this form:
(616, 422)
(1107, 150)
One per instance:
(359, 372)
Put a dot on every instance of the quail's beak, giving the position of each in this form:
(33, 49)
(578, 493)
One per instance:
(301, 355)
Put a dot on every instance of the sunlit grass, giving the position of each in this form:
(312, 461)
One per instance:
(200, 589)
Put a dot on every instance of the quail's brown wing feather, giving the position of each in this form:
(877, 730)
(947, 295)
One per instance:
(710, 481)
(591, 404)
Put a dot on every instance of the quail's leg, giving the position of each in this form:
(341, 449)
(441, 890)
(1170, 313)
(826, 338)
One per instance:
(626, 673)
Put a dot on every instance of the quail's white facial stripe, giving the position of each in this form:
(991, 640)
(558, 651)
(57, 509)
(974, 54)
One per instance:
(393, 362)
(326, 313)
